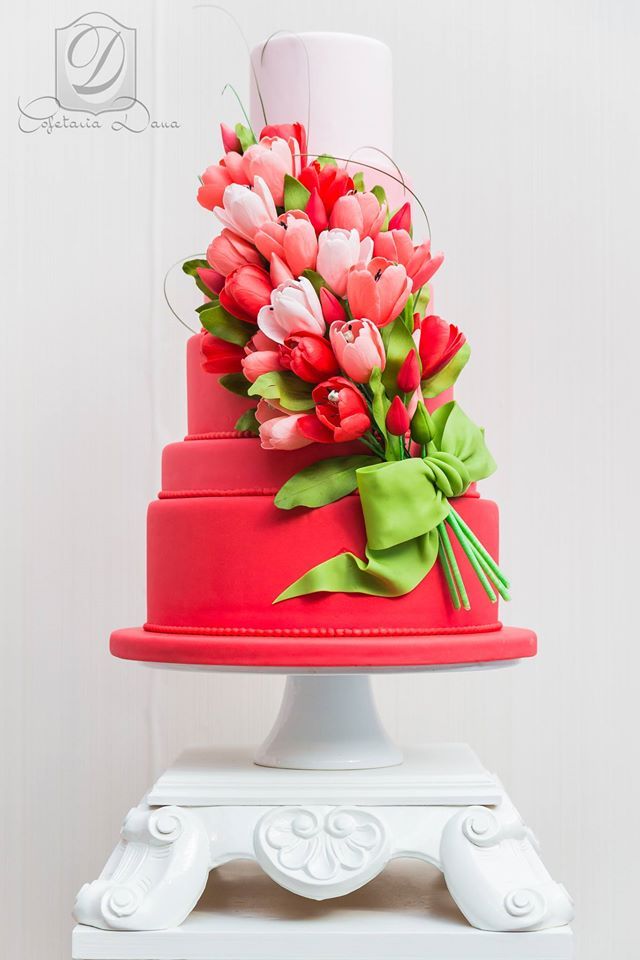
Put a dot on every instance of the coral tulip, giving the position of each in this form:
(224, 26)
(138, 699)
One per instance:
(292, 238)
(287, 131)
(359, 211)
(358, 347)
(418, 262)
(378, 291)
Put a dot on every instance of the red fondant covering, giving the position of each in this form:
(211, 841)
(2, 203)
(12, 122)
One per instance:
(219, 552)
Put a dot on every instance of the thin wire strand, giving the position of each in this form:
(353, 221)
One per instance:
(178, 263)
(385, 173)
(297, 36)
(215, 6)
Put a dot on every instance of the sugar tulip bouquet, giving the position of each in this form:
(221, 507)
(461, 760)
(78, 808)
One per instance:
(317, 304)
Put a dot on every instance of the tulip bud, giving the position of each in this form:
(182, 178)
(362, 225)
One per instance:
(397, 420)
(230, 141)
(316, 212)
(401, 220)
(332, 309)
(421, 426)
(408, 378)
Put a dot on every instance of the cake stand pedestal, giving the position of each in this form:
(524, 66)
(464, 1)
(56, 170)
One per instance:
(341, 806)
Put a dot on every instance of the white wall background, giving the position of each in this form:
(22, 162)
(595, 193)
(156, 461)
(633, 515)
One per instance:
(519, 122)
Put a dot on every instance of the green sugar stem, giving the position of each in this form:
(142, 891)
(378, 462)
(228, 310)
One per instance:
(481, 549)
(444, 535)
(470, 551)
(444, 563)
(498, 584)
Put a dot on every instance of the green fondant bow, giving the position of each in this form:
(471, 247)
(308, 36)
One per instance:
(402, 503)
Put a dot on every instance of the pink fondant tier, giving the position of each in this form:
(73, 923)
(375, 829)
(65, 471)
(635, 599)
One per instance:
(220, 551)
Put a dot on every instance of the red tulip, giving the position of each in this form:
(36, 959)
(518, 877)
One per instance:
(408, 378)
(316, 212)
(330, 181)
(439, 343)
(341, 413)
(218, 356)
(397, 419)
(332, 309)
(309, 356)
(401, 220)
(245, 292)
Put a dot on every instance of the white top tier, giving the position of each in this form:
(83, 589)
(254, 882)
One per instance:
(347, 100)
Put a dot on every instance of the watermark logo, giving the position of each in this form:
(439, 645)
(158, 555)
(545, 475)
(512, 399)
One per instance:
(95, 64)
(95, 74)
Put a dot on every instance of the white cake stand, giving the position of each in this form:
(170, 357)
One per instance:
(324, 805)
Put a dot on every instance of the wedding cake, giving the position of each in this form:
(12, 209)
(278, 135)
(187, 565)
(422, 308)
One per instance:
(323, 508)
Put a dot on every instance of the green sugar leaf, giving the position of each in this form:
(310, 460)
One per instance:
(235, 383)
(245, 136)
(326, 160)
(446, 377)
(358, 181)
(282, 385)
(323, 482)
(247, 423)
(296, 194)
(217, 321)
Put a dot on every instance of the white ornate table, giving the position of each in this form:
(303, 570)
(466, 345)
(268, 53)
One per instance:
(327, 804)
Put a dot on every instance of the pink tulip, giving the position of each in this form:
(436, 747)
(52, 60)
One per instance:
(397, 245)
(294, 308)
(358, 347)
(378, 291)
(291, 238)
(358, 211)
(244, 210)
(279, 431)
(271, 159)
(261, 355)
(338, 251)
(229, 251)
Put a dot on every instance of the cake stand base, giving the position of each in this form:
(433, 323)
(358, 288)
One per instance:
(328, 722)
(406, 912)
(322, 835)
